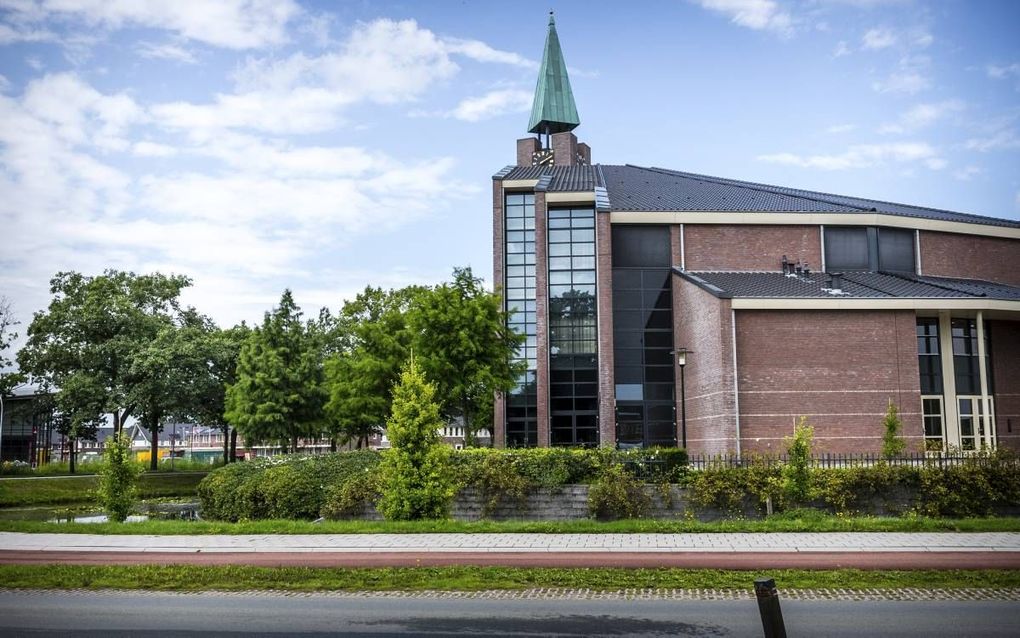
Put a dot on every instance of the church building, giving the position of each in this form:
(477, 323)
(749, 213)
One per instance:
(667, 308)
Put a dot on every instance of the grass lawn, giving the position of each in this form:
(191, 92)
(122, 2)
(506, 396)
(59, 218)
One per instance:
(20, 492)
(807, 522)
(236, 578)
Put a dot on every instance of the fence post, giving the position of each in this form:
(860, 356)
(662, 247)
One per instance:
(768, 606)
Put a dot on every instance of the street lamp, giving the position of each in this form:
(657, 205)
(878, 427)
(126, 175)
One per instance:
(681, 360)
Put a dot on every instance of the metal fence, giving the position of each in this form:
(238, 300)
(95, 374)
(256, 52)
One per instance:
(842, 461)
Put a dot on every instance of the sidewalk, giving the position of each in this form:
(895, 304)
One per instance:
(877, 550)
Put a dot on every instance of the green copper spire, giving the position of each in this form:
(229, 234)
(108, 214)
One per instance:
(554, 110)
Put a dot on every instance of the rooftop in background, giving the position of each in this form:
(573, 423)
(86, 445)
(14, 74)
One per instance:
(637, 188)
(855, 285)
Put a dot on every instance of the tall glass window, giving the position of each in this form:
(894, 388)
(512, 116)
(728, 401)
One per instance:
(934, 432)
(519, 285)
(965, 357)
(643, 336)
(929, 358)
(573, 328)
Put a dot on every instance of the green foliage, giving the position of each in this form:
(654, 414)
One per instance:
(734, 490)
(8, 380)
(278, 396)
(350, 498)
(797, 471)
(655, 464)
(369, 342)
(117, 491)
(976, 487)
(847, 490)
(261, 489)
(84, 344)
(416, 471)
(465, 347)
(892, 443)
(617, 494)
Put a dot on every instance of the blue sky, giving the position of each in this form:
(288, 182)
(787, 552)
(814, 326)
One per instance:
(260, 144)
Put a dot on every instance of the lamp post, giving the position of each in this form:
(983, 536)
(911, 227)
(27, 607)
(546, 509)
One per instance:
(681, 360)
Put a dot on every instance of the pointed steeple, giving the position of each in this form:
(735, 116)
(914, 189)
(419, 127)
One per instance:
(554, 110)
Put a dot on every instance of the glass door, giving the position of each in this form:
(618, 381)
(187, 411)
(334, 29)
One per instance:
(973, 433)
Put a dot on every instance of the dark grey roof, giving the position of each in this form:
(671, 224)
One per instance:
(856, 285)
(563, 178)
(636, 188)
(658, 189)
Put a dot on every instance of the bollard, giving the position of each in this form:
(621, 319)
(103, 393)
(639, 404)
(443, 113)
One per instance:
(768, 606)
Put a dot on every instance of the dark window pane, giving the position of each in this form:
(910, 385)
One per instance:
(846, 249)
(641, 246)
(896, 249)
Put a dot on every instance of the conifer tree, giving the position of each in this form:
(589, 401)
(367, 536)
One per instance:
(278, 395)
(416, 473)
(892, 444)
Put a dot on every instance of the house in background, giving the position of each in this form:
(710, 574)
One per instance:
(662, 307)
(26, 429)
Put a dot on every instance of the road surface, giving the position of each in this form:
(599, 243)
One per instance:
(116, 614)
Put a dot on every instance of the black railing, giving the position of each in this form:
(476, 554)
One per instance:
(842, 461)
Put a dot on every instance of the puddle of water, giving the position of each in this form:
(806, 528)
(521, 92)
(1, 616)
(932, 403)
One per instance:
(146, 511)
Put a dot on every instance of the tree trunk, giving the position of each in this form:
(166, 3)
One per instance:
(293, 443)
(154, 433)
(233, 445)
(72, 454)
(469, 436)
(332, 444)
(116, 422)
(226, 444)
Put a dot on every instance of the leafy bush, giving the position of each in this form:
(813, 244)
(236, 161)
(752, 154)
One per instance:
(732, 489)
(287, 486)
(349, 498)
(617, 494)
(974, 488)
(892, 444)
(416, 470)
(118, 474)
(797, 471)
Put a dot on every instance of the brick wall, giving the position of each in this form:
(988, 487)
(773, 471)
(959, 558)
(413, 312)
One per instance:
(733, 247)
(703, 325)
(954, 255)
(607, 389)
(499, 405)
(542, 323)
(839, 369)
(1005, 340)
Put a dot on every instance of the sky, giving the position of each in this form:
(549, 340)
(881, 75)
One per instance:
(257, 145)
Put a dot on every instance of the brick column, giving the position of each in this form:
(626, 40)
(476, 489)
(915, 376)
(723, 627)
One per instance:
(675, 252)
(498, 244)
(607, 387)
(542, 319)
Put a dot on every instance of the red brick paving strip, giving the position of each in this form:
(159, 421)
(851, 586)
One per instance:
(690, 560)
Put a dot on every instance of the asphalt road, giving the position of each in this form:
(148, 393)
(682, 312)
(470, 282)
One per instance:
(160, 614)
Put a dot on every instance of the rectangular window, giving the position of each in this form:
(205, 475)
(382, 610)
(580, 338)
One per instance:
(934, 432)
(869, 248)
(573, 327)
(846, 249)
(519, 292)
(896, 250)
(929, 358)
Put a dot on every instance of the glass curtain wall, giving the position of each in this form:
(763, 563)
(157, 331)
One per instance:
(519, 287)
(643, 337)
(573, 328)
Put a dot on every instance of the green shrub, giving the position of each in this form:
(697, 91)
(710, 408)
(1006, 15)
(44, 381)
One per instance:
(117, 490)
(797, 470)
(416, 470)
(892, 444)
(350, 498)
(655, 464)
(731, 489)
(617, 494)
(974, 488)
(847, 490)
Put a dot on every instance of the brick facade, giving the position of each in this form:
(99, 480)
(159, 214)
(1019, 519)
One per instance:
(703, 325)
(1005, 341)
(607, 387)
(733, 247)
(955, 255)
(839, 369)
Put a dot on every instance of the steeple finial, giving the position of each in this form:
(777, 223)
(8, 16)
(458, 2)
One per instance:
(553, 110)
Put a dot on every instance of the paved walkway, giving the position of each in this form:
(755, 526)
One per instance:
(724, 551)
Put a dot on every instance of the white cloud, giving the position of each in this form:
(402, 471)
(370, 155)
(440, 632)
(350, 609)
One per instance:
(863, 156)
(482, 52)
(841, 49)
(905, 82)
(12, 35)
(1002, 72)
(966, 173)
(875, 39)
(492, 104)
(232, 24)
(840, 128)
(1002, 139)
(166, 51)
(753, 14)
(923, 115)
(145, 148)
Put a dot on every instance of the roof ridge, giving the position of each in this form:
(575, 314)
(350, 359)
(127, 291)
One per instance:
(916, 279)
(824, 194)
(766, 188)
(864, 285)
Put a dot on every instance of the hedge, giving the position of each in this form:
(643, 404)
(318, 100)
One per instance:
(339, 485)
